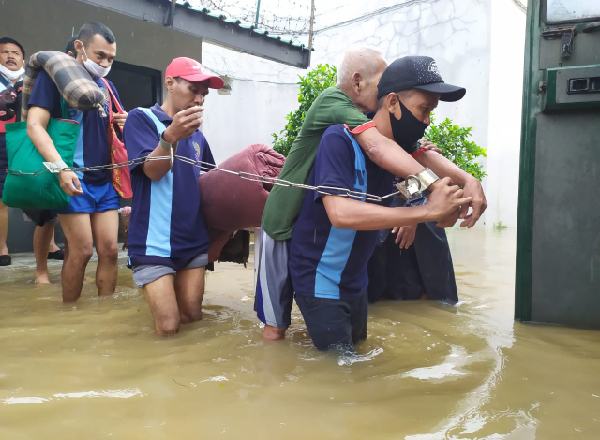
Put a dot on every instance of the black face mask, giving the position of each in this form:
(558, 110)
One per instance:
(407, 130)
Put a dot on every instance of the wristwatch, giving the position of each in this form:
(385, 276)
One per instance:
(415, 185)
(56, 166)
(164, 144)
(167, 146)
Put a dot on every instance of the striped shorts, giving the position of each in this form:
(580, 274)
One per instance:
(274, 294)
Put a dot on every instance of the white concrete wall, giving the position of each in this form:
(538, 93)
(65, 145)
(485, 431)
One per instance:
(263, 93)
(504, 112)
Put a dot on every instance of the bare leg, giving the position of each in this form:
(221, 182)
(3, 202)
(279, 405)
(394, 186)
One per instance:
(42, 235)
(53, 246)
(189, 290)
(3, 228)
(78, 232)
(160, 295)
(105, 227)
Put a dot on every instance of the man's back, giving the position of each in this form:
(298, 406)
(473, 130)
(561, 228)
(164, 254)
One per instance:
(331, 107)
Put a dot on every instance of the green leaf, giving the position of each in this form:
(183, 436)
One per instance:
(310, 86)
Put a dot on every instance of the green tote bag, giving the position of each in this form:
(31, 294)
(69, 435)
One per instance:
(42, 190)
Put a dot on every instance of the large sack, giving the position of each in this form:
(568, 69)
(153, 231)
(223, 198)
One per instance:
(230, 202)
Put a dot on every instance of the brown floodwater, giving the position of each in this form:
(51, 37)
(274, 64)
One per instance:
(95, 369)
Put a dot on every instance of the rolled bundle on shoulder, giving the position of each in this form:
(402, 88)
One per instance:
(73, 82)
(230, 202)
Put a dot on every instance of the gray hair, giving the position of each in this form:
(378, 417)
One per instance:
(361, 60)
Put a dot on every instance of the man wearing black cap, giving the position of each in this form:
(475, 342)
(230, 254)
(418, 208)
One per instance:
(334, 236)
(354, 95)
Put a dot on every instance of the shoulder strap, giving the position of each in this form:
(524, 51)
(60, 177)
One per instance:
(5, 81)
(360, 165)
(113, 98)
(160, 127)
(64, 108)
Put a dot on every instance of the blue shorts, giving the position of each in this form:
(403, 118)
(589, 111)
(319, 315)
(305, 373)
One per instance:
(336, 324)
(95, 198)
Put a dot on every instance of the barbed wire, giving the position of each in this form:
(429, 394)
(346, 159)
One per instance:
(276, 24)
(207, 166)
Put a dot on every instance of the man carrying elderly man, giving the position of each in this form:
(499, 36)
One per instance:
(334, 236)
(354, 96)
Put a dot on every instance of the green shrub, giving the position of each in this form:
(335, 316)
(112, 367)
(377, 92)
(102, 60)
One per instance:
(456, 144)
(311, 86)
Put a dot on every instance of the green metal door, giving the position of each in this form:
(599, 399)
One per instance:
(558, 247)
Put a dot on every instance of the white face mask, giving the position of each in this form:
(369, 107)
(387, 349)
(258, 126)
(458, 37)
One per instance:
(95, 69)
(12, 75)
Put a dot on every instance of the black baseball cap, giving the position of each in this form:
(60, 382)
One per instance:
(417, 72)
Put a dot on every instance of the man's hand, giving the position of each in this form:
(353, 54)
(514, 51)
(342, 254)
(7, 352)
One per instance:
(120, 118)
(428, 145)
(474, 190)
(184, 124)
(449, 220)
(69, 183)
(405, 236)
(445, 200)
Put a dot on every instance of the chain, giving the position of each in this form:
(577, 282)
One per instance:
(207, 166)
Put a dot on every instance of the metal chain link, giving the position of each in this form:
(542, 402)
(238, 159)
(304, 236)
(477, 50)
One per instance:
(206, 167)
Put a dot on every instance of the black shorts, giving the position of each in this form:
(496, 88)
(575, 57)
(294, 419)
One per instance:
(334, 323)
(40, 216)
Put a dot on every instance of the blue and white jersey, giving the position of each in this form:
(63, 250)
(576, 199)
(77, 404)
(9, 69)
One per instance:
(166, 226)
(325, 261)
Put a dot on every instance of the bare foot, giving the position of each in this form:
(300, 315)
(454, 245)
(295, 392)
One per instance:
(42, 278)
(271, 333)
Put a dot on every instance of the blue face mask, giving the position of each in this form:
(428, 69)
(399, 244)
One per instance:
(407, 130)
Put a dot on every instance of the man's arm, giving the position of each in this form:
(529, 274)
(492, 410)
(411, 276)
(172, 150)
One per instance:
(348, 213)
(471, 186)
(386, 153)
(37, 124)
(184, 124)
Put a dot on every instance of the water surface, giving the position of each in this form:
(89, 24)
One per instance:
(95, 369)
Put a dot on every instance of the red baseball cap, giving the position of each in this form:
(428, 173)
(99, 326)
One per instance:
(191, 70)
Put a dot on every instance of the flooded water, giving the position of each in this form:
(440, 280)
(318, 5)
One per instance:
(95, 370)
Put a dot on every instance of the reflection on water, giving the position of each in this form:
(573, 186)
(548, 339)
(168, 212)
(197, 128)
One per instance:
(427, 371)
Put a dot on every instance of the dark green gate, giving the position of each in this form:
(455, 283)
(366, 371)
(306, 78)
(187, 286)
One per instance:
(558, 248)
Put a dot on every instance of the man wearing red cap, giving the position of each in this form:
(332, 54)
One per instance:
(168, 239)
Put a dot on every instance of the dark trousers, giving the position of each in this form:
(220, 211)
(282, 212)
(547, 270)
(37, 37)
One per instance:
(334, 323)
(425, 267)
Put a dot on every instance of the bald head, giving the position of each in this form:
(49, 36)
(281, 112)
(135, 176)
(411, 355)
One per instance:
(358, 75)
(364, 61)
